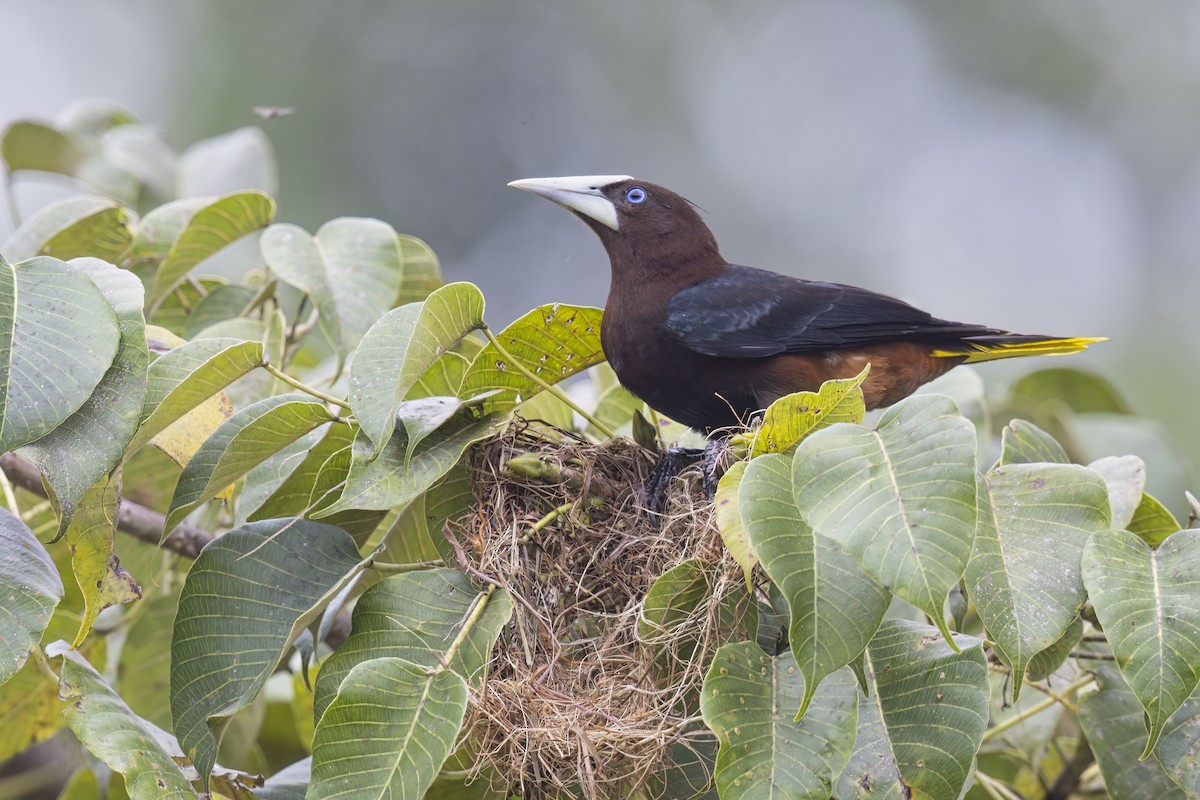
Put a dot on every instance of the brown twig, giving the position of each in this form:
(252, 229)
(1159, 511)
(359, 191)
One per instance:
(132, 519)
(1068, 780)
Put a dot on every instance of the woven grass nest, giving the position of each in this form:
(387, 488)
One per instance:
(585, 697)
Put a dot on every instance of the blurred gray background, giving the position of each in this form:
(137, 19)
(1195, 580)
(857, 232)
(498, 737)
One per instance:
(1024, 164)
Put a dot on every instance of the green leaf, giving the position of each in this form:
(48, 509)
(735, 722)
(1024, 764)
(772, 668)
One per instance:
(242, 442)
(420, 273)
(144, 669)
(36, 146)
(729, 520)
(835, 607)
(234, 161)
(351, 268)
(1047, 662)
(423, 416)
(1125, 477)
(1028, 593)
(388, 732)
(91, 442)
(393, 480)
(183, 378)
(101, 578)
(114, 734)
(792, 417)
(189, 231)
(1075, 389)
(247, 597)
(1114, 724)
(747, 701)
(58, 336)
(1025, 443)
(553, 342)
(415, 616)
(292, 496)
(72, 227)
(443, 378)
(1148, 603)
(398, 349)
(900, 498)
(615, 407)
(1179, 746)
(222, 303)
(671, 601)
(32, 590)
(923, 718)
(1152, 521)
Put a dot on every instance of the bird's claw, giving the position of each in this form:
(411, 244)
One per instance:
(674, 461)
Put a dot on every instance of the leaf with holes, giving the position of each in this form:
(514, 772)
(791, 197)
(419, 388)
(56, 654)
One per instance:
(58, 337)
(900, 498)
(747, 701)
(246, 598)
(923, 717)
(552, 342)
(70, 228)
(834, 606)
(1149, 604)
(415, 616)
(351, 269)
(1027, 594)
(398, 349)
(242, 442)
(792, 417)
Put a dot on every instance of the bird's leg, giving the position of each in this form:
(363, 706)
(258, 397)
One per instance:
(714, 454)
(674, 461)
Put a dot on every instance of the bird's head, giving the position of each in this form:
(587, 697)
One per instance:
(645, 227)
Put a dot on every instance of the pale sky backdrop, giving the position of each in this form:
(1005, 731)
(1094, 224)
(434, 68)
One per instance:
(1024, 164)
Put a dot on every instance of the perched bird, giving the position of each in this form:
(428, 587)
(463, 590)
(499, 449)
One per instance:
(708, 343)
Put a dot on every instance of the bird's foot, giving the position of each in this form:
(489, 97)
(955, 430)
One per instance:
(673, 462)
(713, 465)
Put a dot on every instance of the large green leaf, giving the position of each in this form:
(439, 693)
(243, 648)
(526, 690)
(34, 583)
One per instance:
(415, 616)
(144, 668)
(247, 596)
(351, 269)
(1115, 727)
(792, 417)
(835, 607)
(727, 508)
(1125, 477)
(420, 272)
(1074, 389)
(242, 442)
(183, 378)
(397, 350)
(31, 145)
(900, 498)
(672, 602)
(1152, 521)
(58, 336)
(292, 496)
(98, 571)
(1028, 593)
(223, 303)
(393, 480)
(747, 702)
(182, 234)
(72, 227)
(1149, 604)
(90, 443)
(1179, 748)
(923, 718)
(553, 342)
(443, 378)
(114, 734)
(388, 731)
(1025, 443)
(32, 590)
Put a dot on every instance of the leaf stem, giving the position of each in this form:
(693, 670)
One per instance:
(469, 623)
(10, 497)
(43, 663)
(393, 569)
(1037, 708)
(304, 387)
(549, 387)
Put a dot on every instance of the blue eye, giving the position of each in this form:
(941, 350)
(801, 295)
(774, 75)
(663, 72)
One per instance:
(636, 194)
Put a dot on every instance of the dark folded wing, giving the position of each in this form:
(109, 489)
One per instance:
(752, 313)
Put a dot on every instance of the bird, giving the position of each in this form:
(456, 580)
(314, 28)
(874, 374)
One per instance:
(710, 344)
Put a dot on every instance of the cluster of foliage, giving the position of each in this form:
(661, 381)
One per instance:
(310, 400)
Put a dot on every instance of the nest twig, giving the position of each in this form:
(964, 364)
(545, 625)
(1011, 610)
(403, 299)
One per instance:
(585, 695)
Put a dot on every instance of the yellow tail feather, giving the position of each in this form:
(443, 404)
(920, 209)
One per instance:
(983, 351)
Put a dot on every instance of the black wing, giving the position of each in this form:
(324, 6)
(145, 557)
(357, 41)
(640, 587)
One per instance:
(753, 313)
